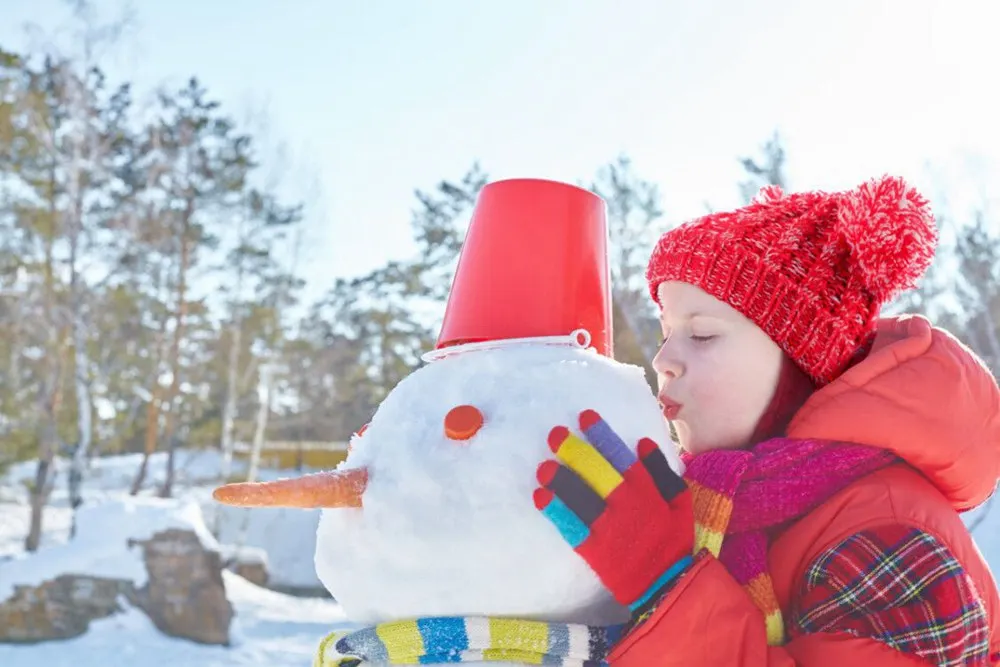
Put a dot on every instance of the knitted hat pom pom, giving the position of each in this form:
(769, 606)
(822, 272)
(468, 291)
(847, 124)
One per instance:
(890, 230)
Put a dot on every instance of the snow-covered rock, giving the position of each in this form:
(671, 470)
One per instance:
(100, 547)
(248, 562)
(153, 553)
(286, 536)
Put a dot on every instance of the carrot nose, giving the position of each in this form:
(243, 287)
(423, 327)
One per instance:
(329, 489)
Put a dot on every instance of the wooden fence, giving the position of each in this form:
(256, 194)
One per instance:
(296, 455)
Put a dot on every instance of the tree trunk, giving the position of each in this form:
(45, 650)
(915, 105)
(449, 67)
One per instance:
(229, 412)
(152, 431)
(38, 498)
(80, 362)
(152, 414)
(232, 375)
(48, 445)
(229, 416)
(259, 437)
(82, 449)
(175, 350)
(44, 479)
(260, 424)
(50, 400)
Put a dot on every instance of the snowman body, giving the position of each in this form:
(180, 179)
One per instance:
(448, 527)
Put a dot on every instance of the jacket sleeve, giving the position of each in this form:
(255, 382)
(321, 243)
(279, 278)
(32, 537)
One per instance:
(892, 596)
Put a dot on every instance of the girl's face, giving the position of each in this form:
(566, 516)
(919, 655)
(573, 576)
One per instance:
(717, 370)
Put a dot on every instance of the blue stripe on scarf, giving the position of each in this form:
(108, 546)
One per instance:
(444, 639)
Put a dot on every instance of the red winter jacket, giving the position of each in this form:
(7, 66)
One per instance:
(884, 573)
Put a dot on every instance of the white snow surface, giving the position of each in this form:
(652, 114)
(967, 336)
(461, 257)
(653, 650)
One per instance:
(100, 546)
(243, 554)
(287, 536)
(450, 527)
(269, 629)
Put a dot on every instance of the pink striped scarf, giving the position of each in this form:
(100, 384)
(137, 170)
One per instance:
(740, 495)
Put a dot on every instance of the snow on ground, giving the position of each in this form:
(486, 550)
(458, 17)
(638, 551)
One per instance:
(287, 536)
(103, 529)
(270, 629)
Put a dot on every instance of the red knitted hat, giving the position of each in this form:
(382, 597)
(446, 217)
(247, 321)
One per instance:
(811, 269)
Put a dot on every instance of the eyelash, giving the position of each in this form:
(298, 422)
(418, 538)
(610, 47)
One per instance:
(701, 340)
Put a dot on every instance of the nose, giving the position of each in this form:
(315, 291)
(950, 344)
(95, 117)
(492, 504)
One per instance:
(666, 363)
(462, 422)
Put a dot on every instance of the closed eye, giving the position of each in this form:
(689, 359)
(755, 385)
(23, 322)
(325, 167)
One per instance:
(702, 339)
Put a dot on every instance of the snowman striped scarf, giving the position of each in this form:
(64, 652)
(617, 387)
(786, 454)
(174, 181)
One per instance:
(458, 639)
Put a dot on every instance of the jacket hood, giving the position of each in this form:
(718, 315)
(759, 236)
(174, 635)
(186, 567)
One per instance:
(923, 395)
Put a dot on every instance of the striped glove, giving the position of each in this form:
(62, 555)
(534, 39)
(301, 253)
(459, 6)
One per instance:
(629, 517)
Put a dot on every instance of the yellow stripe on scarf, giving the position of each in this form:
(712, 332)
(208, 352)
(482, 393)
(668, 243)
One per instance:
(512, 635)
(707, 539)
(320, 659)
(402, 640)
(761, 591)
(712, 511)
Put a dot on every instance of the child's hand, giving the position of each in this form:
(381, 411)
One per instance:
(628, 517)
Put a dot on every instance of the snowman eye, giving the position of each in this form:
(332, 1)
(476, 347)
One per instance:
(462, 422)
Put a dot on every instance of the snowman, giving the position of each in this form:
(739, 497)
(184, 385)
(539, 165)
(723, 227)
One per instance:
(429, 536)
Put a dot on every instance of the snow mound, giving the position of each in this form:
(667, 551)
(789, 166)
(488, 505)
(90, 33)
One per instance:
(288, 536)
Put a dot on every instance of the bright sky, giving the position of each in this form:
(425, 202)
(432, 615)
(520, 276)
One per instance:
(382, 97)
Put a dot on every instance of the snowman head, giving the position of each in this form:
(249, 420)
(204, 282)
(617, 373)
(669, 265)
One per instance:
(432, 513)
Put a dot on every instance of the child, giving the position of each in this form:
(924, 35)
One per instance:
(828, 452)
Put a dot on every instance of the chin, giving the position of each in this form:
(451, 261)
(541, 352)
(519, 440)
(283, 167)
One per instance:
(692, 448)
(684, 439)
(694, 445)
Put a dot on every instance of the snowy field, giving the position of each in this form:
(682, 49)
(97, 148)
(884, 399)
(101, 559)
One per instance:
(269, 628)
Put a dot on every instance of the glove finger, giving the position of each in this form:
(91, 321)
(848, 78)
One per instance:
(581, 457)
(668, 482)
(600, 434)
(575, 493)
(569, 525)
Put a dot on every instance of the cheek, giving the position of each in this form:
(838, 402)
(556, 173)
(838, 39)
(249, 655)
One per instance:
(732, 383)
(708, 376)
